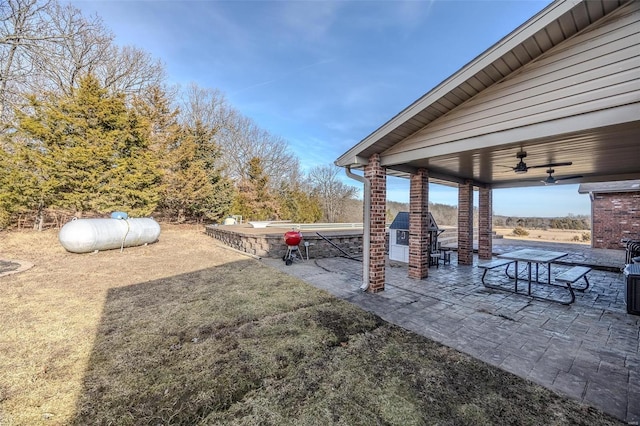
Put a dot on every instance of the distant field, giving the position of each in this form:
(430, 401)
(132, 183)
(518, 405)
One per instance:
(552, 235)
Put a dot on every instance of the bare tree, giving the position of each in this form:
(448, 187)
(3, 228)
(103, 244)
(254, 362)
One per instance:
(239, 137)
(244, 140)
(332, 192)
(207, 106)
(79, 48)
(23, 29)
(45, 46)
(130, 70)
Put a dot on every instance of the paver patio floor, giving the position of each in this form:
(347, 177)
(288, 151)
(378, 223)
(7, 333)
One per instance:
(588, 351)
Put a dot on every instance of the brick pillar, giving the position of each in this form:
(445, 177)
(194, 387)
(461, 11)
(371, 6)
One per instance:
(485, 226)
(378, 218)
(418, 225)
(465, 223)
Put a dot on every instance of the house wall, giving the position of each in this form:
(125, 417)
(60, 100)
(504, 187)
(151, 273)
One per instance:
(595, 70)
(615, 216)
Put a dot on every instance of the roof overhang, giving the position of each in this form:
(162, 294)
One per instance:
(452, 162)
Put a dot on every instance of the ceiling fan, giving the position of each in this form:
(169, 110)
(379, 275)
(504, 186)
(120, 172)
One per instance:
(550, 180)
(522, 167)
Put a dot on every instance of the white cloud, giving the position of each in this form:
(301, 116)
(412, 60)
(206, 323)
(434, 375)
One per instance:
(307, 20)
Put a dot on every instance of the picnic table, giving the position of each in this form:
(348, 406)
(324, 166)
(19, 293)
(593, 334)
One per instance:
(537, 258)
(533, 257)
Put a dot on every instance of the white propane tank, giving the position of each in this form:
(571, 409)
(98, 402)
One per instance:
(88, 235)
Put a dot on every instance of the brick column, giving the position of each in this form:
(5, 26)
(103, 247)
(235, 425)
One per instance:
(378, 217)
(418, 225)
(465, 223)
(485, 225)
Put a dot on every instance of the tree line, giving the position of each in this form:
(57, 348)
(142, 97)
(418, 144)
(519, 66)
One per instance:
(578, 222)
(88, 127)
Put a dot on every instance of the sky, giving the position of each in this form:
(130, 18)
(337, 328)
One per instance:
(323, 75)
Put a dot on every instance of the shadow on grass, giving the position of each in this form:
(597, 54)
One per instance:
(244, 344)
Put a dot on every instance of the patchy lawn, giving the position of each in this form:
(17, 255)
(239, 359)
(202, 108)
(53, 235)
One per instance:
(185, 332)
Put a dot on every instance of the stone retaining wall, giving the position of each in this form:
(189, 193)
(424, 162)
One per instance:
(272, 245)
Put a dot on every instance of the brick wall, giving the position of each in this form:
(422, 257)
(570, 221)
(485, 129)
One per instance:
(377, 216)
(485, 227)
(465, 224)
(418, 225)
(615, 216)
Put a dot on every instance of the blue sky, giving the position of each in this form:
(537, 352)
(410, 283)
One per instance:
(325, 74)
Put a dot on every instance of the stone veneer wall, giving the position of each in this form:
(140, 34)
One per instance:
(273, 246)
(614, 216)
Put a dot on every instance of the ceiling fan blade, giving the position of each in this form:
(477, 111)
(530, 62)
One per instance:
(541, 166)
(568, 177)
(550, 180)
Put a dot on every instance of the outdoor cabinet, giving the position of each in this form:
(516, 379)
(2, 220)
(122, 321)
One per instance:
(632, 299)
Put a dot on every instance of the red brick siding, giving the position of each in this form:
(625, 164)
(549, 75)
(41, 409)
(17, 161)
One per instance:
(485, 227)
(378, 215)
(615, 216)
(465, 224)
(418, 225)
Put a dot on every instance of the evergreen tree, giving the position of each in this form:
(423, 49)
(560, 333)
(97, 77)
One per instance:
(19, 189)
(254, 200)
(84, 152)
(133, 181)
(297, 205)
(194, 186)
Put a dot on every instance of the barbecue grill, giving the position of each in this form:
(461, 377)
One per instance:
(292, 239)
(633, 252)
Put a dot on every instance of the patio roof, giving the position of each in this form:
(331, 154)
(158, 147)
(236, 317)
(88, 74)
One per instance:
(608, 187)
(563, 87)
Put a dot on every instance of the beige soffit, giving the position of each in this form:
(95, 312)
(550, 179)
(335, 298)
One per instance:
(483, 71)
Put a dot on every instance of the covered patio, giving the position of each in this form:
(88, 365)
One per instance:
(557, 99)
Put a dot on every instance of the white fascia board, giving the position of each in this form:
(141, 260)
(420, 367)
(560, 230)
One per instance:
(353, 161)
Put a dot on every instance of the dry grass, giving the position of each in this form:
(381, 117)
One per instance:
(185, 332)
(548, 235)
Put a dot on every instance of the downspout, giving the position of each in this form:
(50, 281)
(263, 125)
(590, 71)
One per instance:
(366, 232)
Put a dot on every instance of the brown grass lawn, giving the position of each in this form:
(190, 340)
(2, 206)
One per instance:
(575, 236)
(186, 332)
